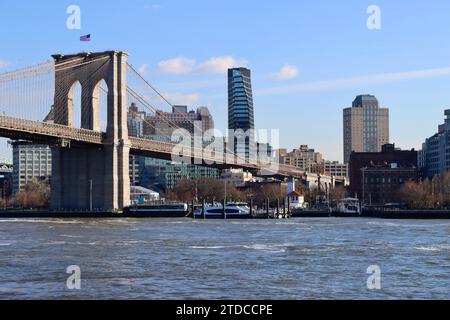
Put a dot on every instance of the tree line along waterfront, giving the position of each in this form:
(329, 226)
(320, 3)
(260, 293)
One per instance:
(427, 194)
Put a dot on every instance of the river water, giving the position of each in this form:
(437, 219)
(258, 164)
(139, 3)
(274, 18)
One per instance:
(254, 259)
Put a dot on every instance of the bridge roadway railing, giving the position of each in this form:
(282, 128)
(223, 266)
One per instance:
(50, 129)
(89, 136)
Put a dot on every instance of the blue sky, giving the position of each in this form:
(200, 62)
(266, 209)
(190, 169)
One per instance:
(328, 54)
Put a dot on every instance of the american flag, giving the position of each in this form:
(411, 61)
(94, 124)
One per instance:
(85, 38)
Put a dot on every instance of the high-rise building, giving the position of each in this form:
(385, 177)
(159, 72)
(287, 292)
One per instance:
(30, 161)
(240, 110)
(366, 126)
(434, 158)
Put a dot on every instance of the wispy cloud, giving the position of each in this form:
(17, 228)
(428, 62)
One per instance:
(143, 69)
(152, 6)
(178, 65)
(287, 72)
(183, 99)
(220, 64)
(355, 82)
(182, 65)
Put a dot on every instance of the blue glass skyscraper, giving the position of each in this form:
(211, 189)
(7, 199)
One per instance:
(240, 107)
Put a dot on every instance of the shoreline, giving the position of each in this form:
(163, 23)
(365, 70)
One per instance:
(398, 215)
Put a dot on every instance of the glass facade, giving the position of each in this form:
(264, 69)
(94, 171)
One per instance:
(240, 109)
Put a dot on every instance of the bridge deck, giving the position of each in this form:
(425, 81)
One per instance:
(15, 128)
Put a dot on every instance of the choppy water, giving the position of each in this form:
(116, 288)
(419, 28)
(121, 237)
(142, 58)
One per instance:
(185, 259)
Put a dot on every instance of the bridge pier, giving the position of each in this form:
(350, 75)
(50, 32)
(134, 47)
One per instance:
(75, 168)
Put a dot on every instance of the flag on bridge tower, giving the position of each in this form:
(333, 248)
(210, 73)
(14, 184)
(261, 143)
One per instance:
(85, 38)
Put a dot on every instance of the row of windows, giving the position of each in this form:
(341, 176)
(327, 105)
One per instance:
(384, 180)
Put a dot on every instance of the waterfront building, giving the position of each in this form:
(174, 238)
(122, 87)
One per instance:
(389, 156)
(236, 177)
(30, 161)
(434, 158)
(366, 126)
(241, 119)
(293, 198)
(381, 183)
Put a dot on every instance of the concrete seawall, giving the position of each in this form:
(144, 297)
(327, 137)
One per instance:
(393, 214)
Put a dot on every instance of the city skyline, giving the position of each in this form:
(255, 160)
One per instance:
(204, 151)
(311, 75)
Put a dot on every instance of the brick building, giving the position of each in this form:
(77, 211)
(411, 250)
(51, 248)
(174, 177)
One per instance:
(381, 183)
(389, 155)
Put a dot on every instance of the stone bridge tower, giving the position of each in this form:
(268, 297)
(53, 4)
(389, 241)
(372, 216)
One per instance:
(91, 176)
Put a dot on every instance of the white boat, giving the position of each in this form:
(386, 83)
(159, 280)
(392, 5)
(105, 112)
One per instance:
(349, 207)
(237, 210)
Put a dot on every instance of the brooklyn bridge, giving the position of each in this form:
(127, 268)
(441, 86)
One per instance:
(90, 163)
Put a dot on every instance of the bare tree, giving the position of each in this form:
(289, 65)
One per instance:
(35, 195)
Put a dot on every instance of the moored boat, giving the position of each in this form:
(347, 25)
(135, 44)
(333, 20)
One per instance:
(174, 210)
(348, 207)
(232, 211)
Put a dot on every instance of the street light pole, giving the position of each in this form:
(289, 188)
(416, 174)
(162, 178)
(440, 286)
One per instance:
(90, 195)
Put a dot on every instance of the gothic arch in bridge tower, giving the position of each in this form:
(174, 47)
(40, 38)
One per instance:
(74, 105)
(99, 116)
(87, 176)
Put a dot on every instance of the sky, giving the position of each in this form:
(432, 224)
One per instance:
(309, 59)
